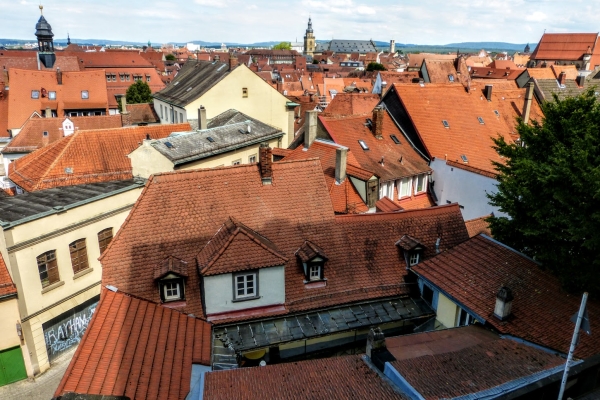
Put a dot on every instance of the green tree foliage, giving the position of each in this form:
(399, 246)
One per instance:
(283, 46)
(170, 57)
(550, 188)
(139, 92)
(373, 66)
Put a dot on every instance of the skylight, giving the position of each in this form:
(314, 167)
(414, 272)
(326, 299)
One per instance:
(169, 145)
(210, 139)
(497, 113)
(451, 78)
(480, 120)
(395, 139)
(464, 158)
(446, 124)
(363, 145)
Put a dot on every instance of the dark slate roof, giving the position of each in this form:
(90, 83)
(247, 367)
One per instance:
(43, 28)
(33, 205)
(352, 46)
(228, 131)
(200, 76)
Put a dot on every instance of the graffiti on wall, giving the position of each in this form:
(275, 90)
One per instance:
(66, 330)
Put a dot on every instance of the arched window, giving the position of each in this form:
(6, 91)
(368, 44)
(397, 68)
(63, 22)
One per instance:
(79, 258)
(104, 238)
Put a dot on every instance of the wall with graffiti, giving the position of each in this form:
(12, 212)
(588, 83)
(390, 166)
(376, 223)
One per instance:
(66, 330)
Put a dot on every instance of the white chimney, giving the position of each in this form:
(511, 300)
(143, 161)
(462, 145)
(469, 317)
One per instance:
(504, 300)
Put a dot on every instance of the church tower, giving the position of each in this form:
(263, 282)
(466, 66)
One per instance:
(44, 34)
(309, 40)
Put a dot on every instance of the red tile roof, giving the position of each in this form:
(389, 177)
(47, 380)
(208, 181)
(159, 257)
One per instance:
(137, 349)
(120, 87)
(111, 59)
(352, 104)
(92, 156)
(476, 226)
(348, 131)
(142, 113)
(564, 46)
(7, 286)
(363, 260)
(347, 377)
(345, 197)
(31, 136)
(473, 272)
(387, 205)
(472, 369)
(25, 59)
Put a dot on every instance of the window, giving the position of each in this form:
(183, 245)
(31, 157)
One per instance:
(52, 95)
(451, 78)
(314, 272)
(147, 78)
(79, 259)
(47, 268)
(35, 94)
(45, 133)
(395, 139)
(171, 290)
(122, 76)
(236, 162)
(161, 112)
(427, 294)
(464, 158)
(104, 238)
(245, 286)
(85, 94)
(244, 92)
(446, 124)
(107, 78)
(413, 259)
(363, 145)
(180, 117)
(252, 159)
(480, 120)
(497, 113)
(421, 183)
(404, 187)
(127, 77)
(463, 318)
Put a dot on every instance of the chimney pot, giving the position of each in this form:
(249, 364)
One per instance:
(310, 128)
(59, 76)
(233, 61)
(265, 163)
(562, 77)
(341, 158)
(202, 122)
(48, 113)
(378, 122)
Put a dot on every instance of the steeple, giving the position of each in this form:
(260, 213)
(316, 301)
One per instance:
(68, 39)
(309, 29)
(309, 39)
(44, 34)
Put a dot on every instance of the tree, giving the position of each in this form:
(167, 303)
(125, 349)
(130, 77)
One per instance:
(139, 92)
(550, 188)
(170, 57)
(283, 46)
(374, 66)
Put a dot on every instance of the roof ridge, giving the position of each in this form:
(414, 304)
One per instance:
(437, 209)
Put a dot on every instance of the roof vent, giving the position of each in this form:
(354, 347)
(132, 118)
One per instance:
(210, 139)
(497, 113)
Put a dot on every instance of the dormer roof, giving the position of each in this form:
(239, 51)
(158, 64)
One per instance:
(234, 248)
(409, 243)
(170, 265)
(308, 251)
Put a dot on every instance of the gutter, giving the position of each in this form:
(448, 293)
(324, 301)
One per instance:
(5, 225)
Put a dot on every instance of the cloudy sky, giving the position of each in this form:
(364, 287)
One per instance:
(250, 21)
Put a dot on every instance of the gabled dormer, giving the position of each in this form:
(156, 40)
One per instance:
(170, 276)
(313, 261)
(412, 250)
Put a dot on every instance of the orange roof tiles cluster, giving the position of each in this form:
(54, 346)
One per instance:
(137, 349)
(39, 132)
(142, 113)
(473, 272)
(7, 286)
(352, 104)
(477, 226)
(565, 46)
(363, 259)
(347, 377)
(85, 157)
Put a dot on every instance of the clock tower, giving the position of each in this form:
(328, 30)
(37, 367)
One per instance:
(309, 40)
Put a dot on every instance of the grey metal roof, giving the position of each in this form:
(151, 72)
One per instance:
(227, 131)
(352, 46)
(15, 210)
(43, 28)
(192, 81)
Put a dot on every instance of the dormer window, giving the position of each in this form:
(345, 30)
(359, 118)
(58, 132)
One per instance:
(170, 275)
(413, 259)
(313, 261)
(412, 250)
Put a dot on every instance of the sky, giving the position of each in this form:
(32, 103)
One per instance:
(251, 21)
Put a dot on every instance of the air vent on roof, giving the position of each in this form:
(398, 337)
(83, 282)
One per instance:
(176, 83)
(480, 120)
(497, 113)
(363, 145)
(446, 124)
(68, 170)
(395, 139)
(464, 158)
(210, 139)
(188, 89)
(169, 145)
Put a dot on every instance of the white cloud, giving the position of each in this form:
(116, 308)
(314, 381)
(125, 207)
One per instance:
(364, 10)
(536, 16)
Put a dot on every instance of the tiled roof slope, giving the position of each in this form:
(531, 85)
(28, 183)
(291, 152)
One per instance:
(92, 156)
(349, 130)
(24, 59)
(473, 272)
(352, 104)
(474, 369)
(137, 349)
(564, 46)
(110, 59)
(7, 286)
(31, 136)
(148, 75)
(347, 377)
(476, 226)
(142, 113)
(345, 197)
(428, 106)
(364, 262)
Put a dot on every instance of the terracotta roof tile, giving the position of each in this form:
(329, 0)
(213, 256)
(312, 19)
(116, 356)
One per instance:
(7, 286)
(352, 104)
(477, 226)
(386, 205)
(338, 377)
(564, 46)
(473, 272)
(32, 137)
(137, 349)
(142, 113)
(85, 157)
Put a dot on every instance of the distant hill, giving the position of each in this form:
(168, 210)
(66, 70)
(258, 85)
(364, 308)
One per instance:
(490, 45)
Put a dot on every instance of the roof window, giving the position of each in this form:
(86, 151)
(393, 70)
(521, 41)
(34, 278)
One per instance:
(45, 133)
(52, 95)
(395, 139)
(497, 113)
(363, 145)
(169, 145)
(480, 120)
(451, 78)
(85, 94)
(210, 139)
(35, 94)
(446, 124)
(464, 158)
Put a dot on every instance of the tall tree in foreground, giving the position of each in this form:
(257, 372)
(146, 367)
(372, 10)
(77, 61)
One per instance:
(139, 92)
(550, 188)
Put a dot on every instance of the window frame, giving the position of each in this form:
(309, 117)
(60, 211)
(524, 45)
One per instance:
(246, 295)
(79, 256)
(424, 184)
(35, 94)
(52, 95)
(102, 246)
(244, 93)
(162, 286)
(413, 258)
(252, 158)
(237, 162)
(48, 260)
(402, 185)
(170, 285)
(85, 95)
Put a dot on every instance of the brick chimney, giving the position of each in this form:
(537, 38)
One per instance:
(202, 121)
(58, 76)
(528, 100)
(562, 78)
(341, 157)
(265, 160)
(310, 128)
(233, 61)
(375, 342)
(378, 122)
